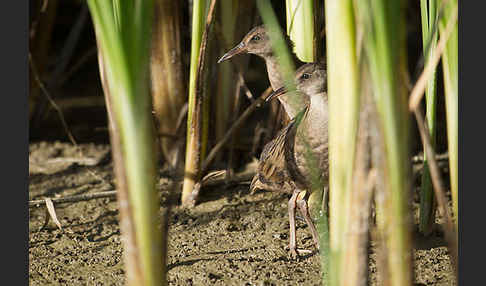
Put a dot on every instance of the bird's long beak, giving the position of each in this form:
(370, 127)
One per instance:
(240, 48)
(276, 93)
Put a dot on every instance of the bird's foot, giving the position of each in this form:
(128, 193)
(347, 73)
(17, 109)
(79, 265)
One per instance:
(295, 253)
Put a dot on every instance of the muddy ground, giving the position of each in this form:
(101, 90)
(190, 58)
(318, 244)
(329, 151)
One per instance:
(230, 238)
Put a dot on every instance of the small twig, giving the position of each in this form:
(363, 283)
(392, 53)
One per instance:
(249, 110)
(81, 161)
(181, 117)
(243, 85)
(51, 101)
(52, 212)
(419, 88)
(83, 101)
(215, 178)
(75, 199)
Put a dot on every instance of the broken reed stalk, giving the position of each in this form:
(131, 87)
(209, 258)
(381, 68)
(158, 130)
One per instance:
(451, 78)
(123, 34)
(385, 52)
(300, 27)
(429, 13)
(193, 146)
(167, 77)
(198, 111)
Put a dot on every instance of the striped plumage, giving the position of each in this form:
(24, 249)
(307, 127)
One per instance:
(272, 174)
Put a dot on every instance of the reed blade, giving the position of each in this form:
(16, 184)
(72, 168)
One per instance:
(123, 34)
(300, 27)
(451, 78)
(429, 39)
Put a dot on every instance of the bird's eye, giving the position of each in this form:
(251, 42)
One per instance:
(255, 38)
(305, 76)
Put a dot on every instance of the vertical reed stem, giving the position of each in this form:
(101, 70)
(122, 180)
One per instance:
(451, 78)
(123, 34)
(429, 40)
(168, 88)
(343, 90)
(195, 142)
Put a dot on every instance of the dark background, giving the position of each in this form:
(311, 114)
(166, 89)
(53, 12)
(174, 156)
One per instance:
(77, 89)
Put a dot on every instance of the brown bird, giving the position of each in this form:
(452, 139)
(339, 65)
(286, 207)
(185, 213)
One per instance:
(296, 161)
(258, 42)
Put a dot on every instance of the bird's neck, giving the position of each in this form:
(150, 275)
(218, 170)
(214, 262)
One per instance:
(293, 103)
(275, 76)
(318, 114)
(274, 72)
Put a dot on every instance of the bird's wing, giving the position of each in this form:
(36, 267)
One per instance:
(272, 174)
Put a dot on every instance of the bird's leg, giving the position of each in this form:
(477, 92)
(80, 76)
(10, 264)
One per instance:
(304, 210)
(292, 243)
